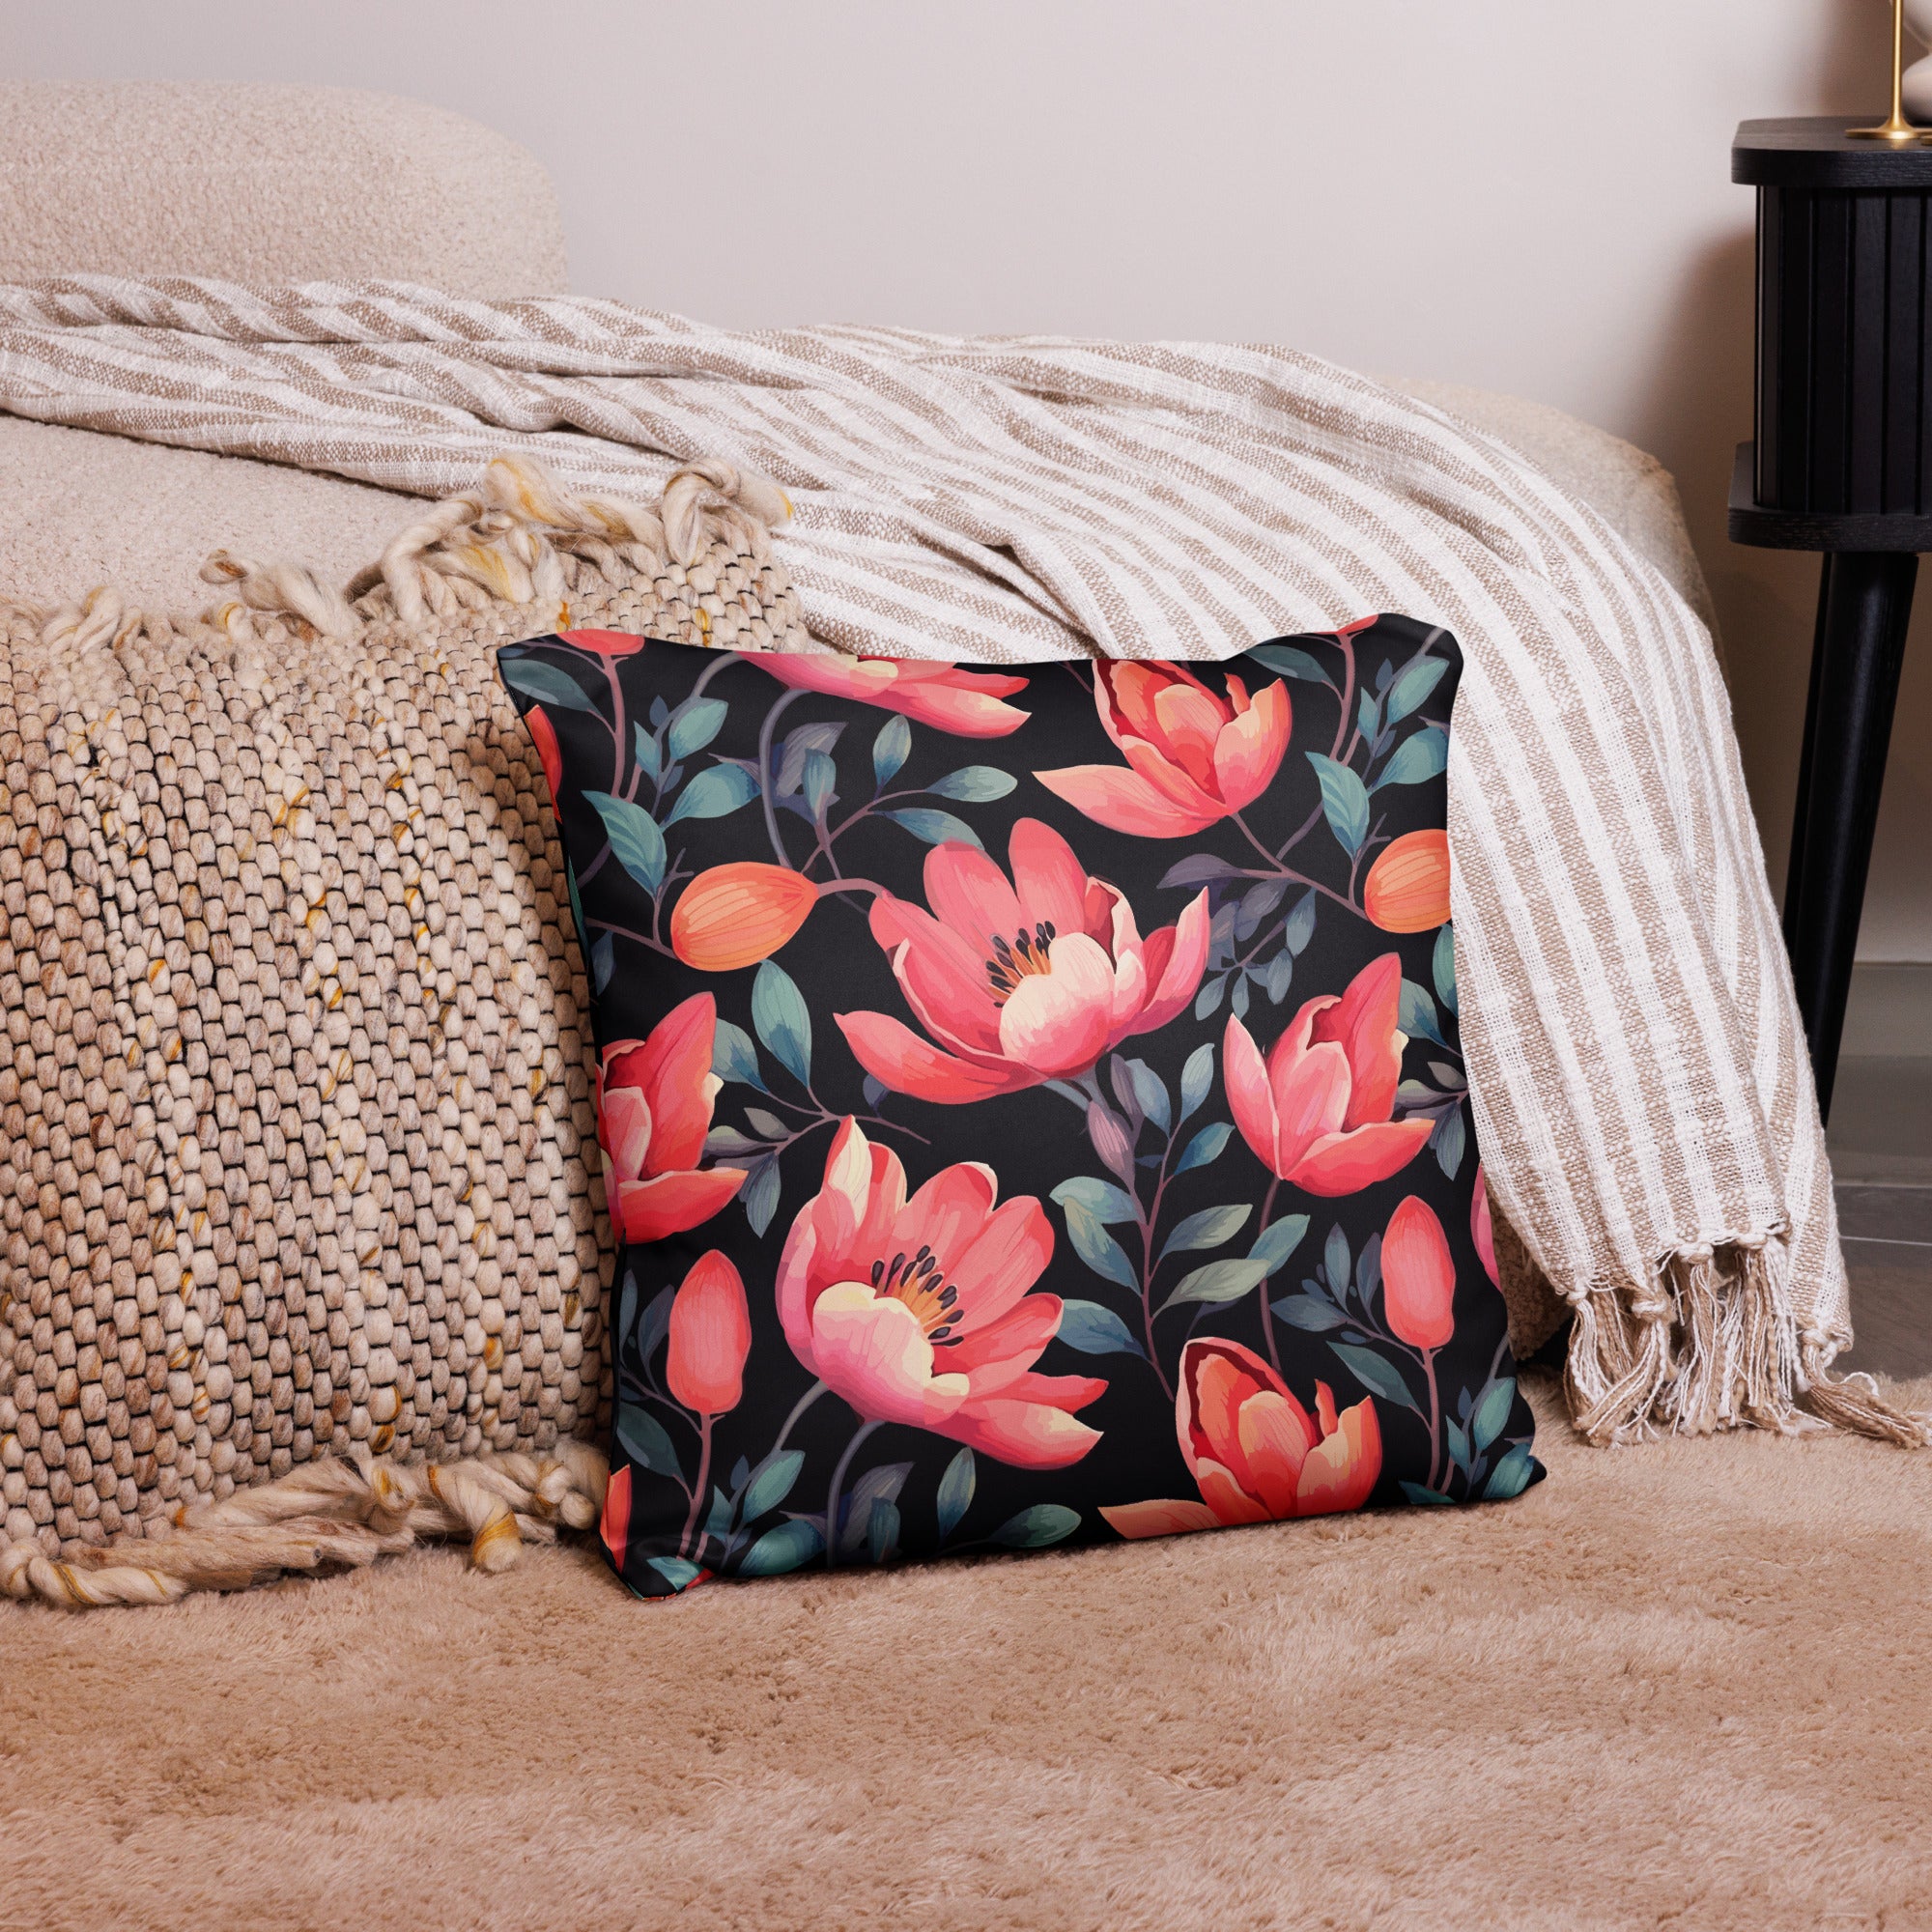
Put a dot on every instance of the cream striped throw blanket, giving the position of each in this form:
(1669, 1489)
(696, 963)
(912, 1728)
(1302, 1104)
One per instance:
(1641, 1087)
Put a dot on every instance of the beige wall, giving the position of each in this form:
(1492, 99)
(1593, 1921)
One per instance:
(1509, 192)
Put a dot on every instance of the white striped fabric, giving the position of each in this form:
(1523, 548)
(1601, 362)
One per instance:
(1643, 1097)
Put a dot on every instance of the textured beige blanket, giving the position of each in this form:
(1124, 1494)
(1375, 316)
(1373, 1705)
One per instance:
(1641, 1087)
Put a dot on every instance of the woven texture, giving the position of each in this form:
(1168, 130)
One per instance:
(296, 1140)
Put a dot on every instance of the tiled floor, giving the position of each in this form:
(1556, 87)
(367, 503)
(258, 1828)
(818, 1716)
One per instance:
(1881, 1138)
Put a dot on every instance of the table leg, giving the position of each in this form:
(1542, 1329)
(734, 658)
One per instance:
(1864, 602)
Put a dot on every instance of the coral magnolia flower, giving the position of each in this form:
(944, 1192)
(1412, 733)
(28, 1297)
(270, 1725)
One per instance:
(1192, 758)
(710, 1337)
(653, 1111)
(1418, 1276)
(1317, 1114)
(919, 1312)
(735, 914)
(948, 698)
(543, 735)
(1481, 1230)
(615, 1526)
(1408, 887)
(1020, 982)
(605, 643)
(1254, 1451)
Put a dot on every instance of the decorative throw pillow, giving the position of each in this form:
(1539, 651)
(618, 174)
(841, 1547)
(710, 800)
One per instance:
(1031, 1101)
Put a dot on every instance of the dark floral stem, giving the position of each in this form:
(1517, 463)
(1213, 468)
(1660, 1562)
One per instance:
(1148, 1264)
(765, 776)
(625, 932)
(1267, 1313)
(798, 1409)
(697, 1488)
(1347, 718)
(1435, 1421)
(1277, 870)
(832, 1495)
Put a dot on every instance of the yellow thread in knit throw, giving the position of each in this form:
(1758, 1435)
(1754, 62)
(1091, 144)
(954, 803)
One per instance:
(298, 1156)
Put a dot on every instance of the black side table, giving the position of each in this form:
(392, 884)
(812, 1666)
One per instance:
(1843, 464)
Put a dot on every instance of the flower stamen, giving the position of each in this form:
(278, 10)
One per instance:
(1029, 953)
(919, 1282)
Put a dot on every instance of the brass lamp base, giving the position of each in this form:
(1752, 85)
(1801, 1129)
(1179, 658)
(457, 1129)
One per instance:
(1896, 128)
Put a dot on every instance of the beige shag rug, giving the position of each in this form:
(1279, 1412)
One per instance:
(1686, 1684)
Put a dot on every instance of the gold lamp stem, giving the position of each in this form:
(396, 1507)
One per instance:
(1896, 127)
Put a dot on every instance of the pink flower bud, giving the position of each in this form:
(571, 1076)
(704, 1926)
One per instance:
(1418, 1276)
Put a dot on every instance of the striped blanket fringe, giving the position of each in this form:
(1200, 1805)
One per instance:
(1711, 1342)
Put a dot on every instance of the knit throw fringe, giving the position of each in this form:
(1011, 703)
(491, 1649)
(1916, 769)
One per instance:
(1710, 1342)
(338, 1513)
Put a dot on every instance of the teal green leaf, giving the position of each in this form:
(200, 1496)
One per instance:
(712, 794)
(820, 776)
(1205, 1147)
(955, 1492)
(1209, 996)
(1336, 1259)
(1093, 1330)
(636, 842)
(543, 681)
(1411, 691)
(1378, 1377)
(733, 1057)
(936, 828)
(788, 1547)
(1493, 1412)
(974, 784)
(1278, 1240)
(1425, 1497)
(783, 1021)
(1416, 1016)
(1417, 760)
(1095, 1246)
(655, 1326)
(1309, 1313)
(772, 1482)
(1208, 1229)
(641, 1437)
(676, 1571)
(693, 724)
(882, 1482)
(1344, 802)
(1299, 929)
(1511, 1476)
(603, 960)
(1217, 1283)
(1150, 1092)
(575, 903)
(1100, 1198)
(1197, 1080)
(1450, 1140)
(882, 1537)
(627, 1306)
(761, 1195)
(647, 750)
(718, 1520)
(1443, 966)
(1036, 1527)
(1290, 663)
(891, 749)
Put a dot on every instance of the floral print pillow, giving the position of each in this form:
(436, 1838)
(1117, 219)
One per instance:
(1030, 1102)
